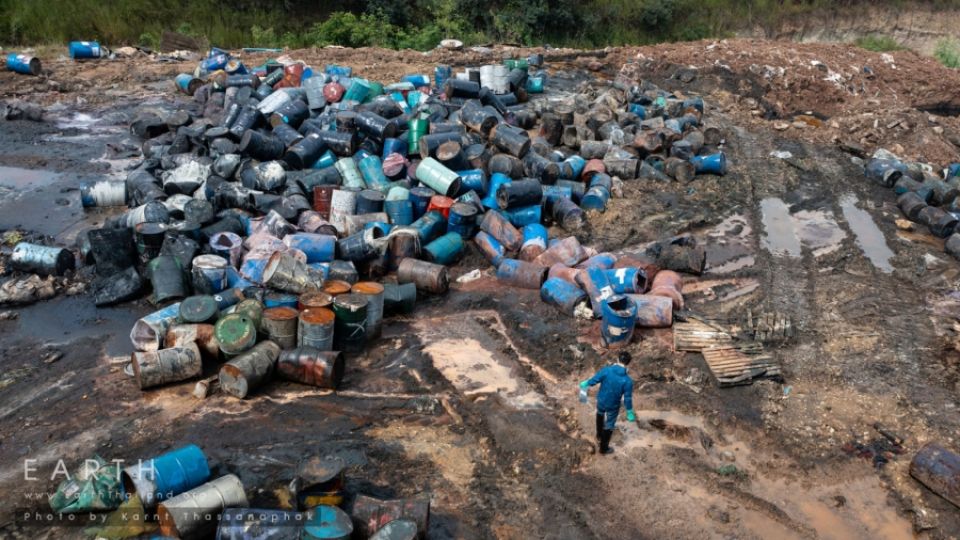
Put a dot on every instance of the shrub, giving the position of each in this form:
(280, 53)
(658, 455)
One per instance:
(948, 52)
(878, 43)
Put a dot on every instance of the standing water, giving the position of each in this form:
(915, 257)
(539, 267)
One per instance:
(781, 236)
(869, 238)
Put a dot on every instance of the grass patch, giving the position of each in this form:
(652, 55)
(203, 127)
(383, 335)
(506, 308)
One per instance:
(879, 43)
(948, 52)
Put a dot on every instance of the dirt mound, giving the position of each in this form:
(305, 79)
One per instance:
(901, 101)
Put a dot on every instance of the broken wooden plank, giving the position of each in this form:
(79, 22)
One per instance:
(733, 366)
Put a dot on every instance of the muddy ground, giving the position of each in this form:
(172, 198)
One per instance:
(473, 398)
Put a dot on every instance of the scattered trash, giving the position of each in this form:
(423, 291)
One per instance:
(472, 275)
(95, 487)
(27, 290)
(880, 450)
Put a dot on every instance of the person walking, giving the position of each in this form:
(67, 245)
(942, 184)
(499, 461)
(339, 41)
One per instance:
(615, 384)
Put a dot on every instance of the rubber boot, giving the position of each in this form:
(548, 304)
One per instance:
(599, 428)
(605, 441)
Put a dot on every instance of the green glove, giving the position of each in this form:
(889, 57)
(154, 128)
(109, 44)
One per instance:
(631, 417)
(584, 384)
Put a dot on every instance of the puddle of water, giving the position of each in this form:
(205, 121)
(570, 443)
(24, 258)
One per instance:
(65, 319)
(781, 235)
(819, 231)
(19, 179)
(869, 238)
(47, 203)
(730, 246)
(77, 121)
(854, 509)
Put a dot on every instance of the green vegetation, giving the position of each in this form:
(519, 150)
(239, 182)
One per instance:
(948, 52)
(416, 24)
(878, 43)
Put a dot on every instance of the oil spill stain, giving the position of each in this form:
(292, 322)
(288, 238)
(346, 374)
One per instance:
(65, 319)
(869, 238)
(475, 370)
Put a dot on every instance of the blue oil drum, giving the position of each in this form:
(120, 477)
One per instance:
(563, 295)
(85, 49)
(619, 315)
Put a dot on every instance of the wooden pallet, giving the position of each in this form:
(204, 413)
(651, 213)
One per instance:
(737, 365)
(696, 335)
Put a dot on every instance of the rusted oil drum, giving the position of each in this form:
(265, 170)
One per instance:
(499, 227)
(235, 333)
(398, 529)
(521, 274)
(322, 196)
(563, 295)
(374, 293)
(245, 373)
(566, 251)
(309, 365)
(491, 249)
(318, 480)
(653, 311)
(911, 205)
(166, 366)
(199, 310)
(286, 273)
(316, 328)
(202, 334)
(192, 514)
(336, 287)
(314, 299)
(426, 276)
(252, 308)
(669, 284)
(594, 281)
(564, 272)
(350, 325)
(280, 326)
(402, 243)
(939, 469)
(370, 514)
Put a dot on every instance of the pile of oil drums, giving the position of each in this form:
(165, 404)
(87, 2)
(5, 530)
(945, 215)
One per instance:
(283, 212)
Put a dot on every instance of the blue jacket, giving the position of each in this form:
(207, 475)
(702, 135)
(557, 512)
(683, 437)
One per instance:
(614, 384)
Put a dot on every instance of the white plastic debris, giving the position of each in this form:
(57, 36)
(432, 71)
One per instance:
(781, 154)
(583, 311)
(472, 275)
(452, 44)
